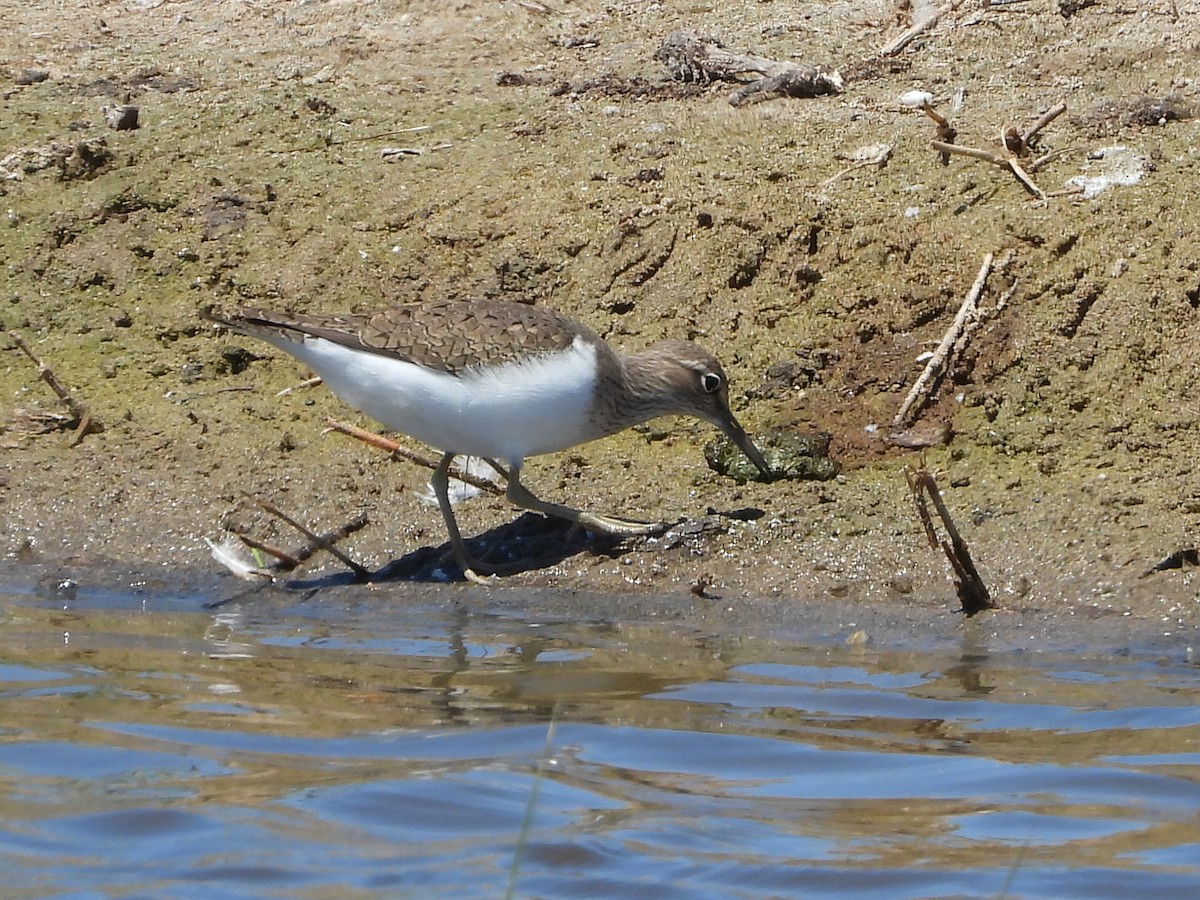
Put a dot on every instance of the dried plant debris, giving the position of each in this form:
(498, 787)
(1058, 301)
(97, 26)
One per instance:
(953, 344)
(925, 20)
(32, 422)
(790, 456)
(694, 57)
(870, 156)
(254, 560)
(815, 82)
(1016, 147)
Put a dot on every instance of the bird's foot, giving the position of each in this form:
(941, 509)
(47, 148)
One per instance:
(475, 578)
(618, 526)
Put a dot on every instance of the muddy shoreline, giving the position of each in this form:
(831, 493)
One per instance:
(554, 161)
(916, 624)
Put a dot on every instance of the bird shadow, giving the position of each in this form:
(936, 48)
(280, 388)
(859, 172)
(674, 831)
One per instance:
(529, 542)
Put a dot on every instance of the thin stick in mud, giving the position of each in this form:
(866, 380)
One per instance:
(318, 541)
(898, 43)
(968, 584)
(396, 449)
(85, 423)
(953, 341)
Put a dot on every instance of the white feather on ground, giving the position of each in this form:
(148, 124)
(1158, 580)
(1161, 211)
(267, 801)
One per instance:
(460, 490)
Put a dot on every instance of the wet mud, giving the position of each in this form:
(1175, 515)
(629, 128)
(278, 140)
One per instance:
(326, 157)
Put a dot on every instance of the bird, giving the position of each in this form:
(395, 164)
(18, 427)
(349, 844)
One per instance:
(502, 381)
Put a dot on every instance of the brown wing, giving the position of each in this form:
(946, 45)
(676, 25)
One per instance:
(448, 335)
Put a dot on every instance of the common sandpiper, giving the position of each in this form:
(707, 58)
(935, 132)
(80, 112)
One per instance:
(501, 381)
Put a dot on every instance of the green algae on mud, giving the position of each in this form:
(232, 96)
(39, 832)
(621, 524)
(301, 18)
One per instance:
(257, 175)
(790, 456)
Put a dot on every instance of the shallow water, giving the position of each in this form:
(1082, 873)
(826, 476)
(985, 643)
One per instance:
(289, 745)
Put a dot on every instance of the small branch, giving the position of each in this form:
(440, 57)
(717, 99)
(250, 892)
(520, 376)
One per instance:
(383, 443)
(972, 592)
(1074, 190)
(344, 530)
(1047, 117)
(1026, 182)
(45, 372)
(986, 155)
(1043, 160)
(937, 363)
(307, 383)
(1006, 296)
(946, 132)
(879, 160)
(230, 551)
(293, 559)
(80, 414)
(385, 134)
(898, 43)
(382, 134)
(997, 159)
(1014, 147)
(289, 562)
(320, 541)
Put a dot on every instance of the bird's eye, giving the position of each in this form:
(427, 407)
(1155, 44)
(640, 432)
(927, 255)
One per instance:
(711, 382)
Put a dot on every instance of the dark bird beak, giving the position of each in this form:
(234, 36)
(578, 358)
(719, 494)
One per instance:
(737, 434)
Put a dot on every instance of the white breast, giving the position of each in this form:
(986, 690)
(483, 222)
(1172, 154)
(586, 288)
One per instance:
(540, 405)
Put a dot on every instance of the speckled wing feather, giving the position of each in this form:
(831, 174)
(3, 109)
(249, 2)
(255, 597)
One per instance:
(448, 335)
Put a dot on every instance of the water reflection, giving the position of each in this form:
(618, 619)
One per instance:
(355, 749)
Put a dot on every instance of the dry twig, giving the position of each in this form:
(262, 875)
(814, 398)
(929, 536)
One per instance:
(319, 541)
(972, 592)
(307, 383)
(292, 559)
(998, 159)
(1014, 146)
(898, 43)
(876, 155)
(287, 561)
(937, 363)
(383, 443)
(230, 551)
(1045, 119)
(79, 413)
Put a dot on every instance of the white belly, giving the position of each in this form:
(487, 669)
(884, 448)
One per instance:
(507, 413)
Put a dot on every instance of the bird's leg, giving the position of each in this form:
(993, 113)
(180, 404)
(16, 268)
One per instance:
(520, 495)
(441, 489)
